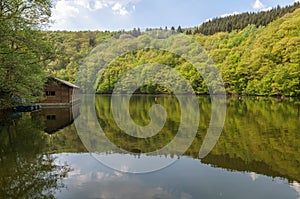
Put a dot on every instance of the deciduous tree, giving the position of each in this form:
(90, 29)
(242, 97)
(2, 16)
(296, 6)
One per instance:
(24, 49)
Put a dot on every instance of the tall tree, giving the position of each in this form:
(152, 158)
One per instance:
(241, 21)
(179, 29)
(24, 50)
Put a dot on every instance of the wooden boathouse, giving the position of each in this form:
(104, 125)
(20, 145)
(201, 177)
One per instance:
(57, 118)
(60, 93)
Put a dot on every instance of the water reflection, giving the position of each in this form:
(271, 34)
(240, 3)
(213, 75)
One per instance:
(296, 186)
(254, 176)
(187, 178)
(260, 135)
(57, 118)
(26, 170)
(257, 155)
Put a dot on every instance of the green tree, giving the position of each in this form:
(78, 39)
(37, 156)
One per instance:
(179, 29)
(24, 49)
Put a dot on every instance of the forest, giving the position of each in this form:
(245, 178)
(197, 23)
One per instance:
(256, 53)
(25, 50)
(241, 21)
(263, 60)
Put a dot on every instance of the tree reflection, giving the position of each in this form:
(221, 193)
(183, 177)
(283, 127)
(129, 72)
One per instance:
(259, 135)
(26, 171)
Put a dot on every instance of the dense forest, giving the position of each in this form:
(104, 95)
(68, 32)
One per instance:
(71, 48)
(256, 53)
(241, 21)
(25, 50)
(259, 61)
(262, 60)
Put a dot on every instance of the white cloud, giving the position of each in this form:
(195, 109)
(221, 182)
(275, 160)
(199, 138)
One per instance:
(71, 14)
(266, 9)
(119, 9)
(91, 5)
(229, 14)
(99, 5)
(122, 7)
(224, 15)
(258, 5)
(117, 6)
(64, 9)
(62, 12)
(297, 1)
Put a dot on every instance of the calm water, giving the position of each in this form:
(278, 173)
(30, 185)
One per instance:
(256, 156)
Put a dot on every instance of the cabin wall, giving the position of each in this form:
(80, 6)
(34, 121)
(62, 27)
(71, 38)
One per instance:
(62, 93)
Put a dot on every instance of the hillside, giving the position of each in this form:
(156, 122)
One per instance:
(259, 61)
(71, 48)
(262, 60)
(241, 21)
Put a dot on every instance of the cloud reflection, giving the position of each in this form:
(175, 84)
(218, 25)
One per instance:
(114, 185)
(253, 176)
(296, 186)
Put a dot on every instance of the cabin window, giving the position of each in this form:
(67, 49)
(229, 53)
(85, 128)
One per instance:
(50, 93)
(51, 117)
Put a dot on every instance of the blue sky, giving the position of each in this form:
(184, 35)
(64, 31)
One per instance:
(126, 14)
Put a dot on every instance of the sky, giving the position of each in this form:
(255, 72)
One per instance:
(113, 15)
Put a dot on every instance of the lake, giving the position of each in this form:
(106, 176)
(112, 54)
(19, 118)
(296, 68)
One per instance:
(60, 152)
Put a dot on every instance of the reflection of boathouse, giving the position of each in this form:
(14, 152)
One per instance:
(60, 92)
(57, 118)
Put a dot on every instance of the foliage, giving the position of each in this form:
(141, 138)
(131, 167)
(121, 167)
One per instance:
(253, 60)
(121, 65)
(240, 21)
(71, 48)
(260, 60)
(24, 50)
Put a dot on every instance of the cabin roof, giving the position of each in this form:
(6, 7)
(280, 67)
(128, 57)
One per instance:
(64, 82)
